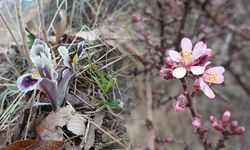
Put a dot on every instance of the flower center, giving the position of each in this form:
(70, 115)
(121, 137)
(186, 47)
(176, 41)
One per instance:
(186, 57)
(211, 77)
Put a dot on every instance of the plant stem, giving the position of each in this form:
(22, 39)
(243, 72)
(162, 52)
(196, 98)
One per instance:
(23, 34)
(205, 143)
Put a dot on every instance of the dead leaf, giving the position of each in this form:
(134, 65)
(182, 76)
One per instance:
(90, 140)
(45, 145)
(91, 35)
(47, 130)
(76, 124)
(19, 145)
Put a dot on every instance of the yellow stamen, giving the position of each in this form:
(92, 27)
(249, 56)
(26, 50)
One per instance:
(75, 59)
(211, 77)
(36, 74)
(186, 57)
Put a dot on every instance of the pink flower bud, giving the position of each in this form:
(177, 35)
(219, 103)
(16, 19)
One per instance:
(169, 63)
(226, 117)
(234, 125)
(135, 18)
(217, 126)
(196, 122)
(180, 103)
(166, 74)
(213, 119)
(239, 131)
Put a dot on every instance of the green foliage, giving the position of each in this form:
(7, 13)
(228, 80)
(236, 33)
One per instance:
(105, 84)
(11, 87)
(31, 38)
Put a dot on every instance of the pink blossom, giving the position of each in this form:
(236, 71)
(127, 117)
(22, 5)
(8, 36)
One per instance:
(226, 117)
(180, 103)
(196, 122)
(211, 75)
(187, 59)
(213, 119)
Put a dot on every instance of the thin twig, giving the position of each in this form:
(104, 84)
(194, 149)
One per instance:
(42, 21)
(22, 29)
(108, 134)
(205, 143)
(182, 26)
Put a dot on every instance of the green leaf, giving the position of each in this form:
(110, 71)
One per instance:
(11, 87)
(31, 38)
(112, 105)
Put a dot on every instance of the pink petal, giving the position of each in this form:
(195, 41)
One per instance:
(206, 89)
(179, 72)
(198, 50)
(174, 55)
(217, 70)
(208, 52)
(186, 44)
(220, 79)
(197, 70)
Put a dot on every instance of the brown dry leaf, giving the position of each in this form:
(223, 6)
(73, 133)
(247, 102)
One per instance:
(76, 124)
(47, 130)
(89, 35)
(90, 141)
(45, 145)
(20, 145)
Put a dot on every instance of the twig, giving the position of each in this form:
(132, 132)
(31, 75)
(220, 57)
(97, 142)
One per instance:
(108, 134)
(72, 15)
(182, 26)
(7, 26)
(41, 17)
(22, 29)
(149, 121)
(205, 143)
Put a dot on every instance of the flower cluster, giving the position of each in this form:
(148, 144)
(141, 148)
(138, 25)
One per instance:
(227, 126)
(53, 82)
(193, 61)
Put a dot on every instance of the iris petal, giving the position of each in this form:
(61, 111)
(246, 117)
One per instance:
(27, 83)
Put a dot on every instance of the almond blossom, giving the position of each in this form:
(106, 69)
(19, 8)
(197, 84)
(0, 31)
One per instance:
(211, 75)
(188, 59)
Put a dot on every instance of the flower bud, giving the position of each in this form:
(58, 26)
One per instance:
(217, 126)
(226, 117)
(239, 131)
(213, 119)
(180, 103)
(234, 125)
(166, 74)
(196, 122)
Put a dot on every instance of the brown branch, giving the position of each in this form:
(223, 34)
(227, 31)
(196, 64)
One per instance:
(205, 143)
(219, 23)
(182, 26)
(149, 121)
(23, 34)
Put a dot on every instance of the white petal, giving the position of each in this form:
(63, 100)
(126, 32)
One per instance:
(174, 55)
(179, 72)
(197, 70)
(198, 50)
(186, 44)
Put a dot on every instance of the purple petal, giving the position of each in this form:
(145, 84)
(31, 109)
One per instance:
(27, 83)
